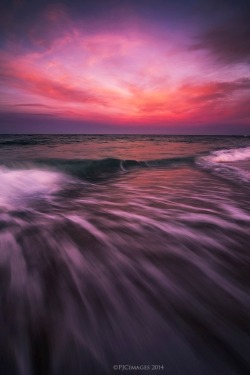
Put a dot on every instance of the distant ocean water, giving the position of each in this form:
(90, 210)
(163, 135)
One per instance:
(124, 250)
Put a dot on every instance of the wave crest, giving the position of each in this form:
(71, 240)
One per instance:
(19, 185)
(222, 163)
(235, 154)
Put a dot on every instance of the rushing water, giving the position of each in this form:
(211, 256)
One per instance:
(124, 250)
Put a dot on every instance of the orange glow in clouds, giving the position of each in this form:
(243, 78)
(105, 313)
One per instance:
(123, 77)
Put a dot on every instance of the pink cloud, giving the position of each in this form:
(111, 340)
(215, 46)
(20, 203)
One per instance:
(129, 76)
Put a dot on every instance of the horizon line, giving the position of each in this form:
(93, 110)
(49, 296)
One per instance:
(135, 134)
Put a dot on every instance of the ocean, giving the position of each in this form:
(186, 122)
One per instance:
(118, 252)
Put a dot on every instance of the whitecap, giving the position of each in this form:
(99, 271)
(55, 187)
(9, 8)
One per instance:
(231, 155)
(224, 163)
(19, 186)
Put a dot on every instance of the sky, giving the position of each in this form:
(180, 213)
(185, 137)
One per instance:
(125, 66)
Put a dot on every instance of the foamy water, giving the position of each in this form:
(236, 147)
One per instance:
(229, 155)
(224, 163)
(19, 186)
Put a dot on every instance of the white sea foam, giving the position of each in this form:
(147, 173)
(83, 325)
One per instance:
(235, 154)
(222, 162)
(18, 186)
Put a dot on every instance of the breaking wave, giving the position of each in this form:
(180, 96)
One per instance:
(18, 186)
(225, 163)
(94, 170)
(221, 162)
(235, 154)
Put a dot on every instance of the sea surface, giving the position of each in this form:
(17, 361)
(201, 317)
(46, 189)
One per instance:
(124, 251)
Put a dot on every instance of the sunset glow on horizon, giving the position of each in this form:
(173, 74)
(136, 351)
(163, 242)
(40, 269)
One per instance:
(124, 67)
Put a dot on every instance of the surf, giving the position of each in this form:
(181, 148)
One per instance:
(225, 163)
(20, 186)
